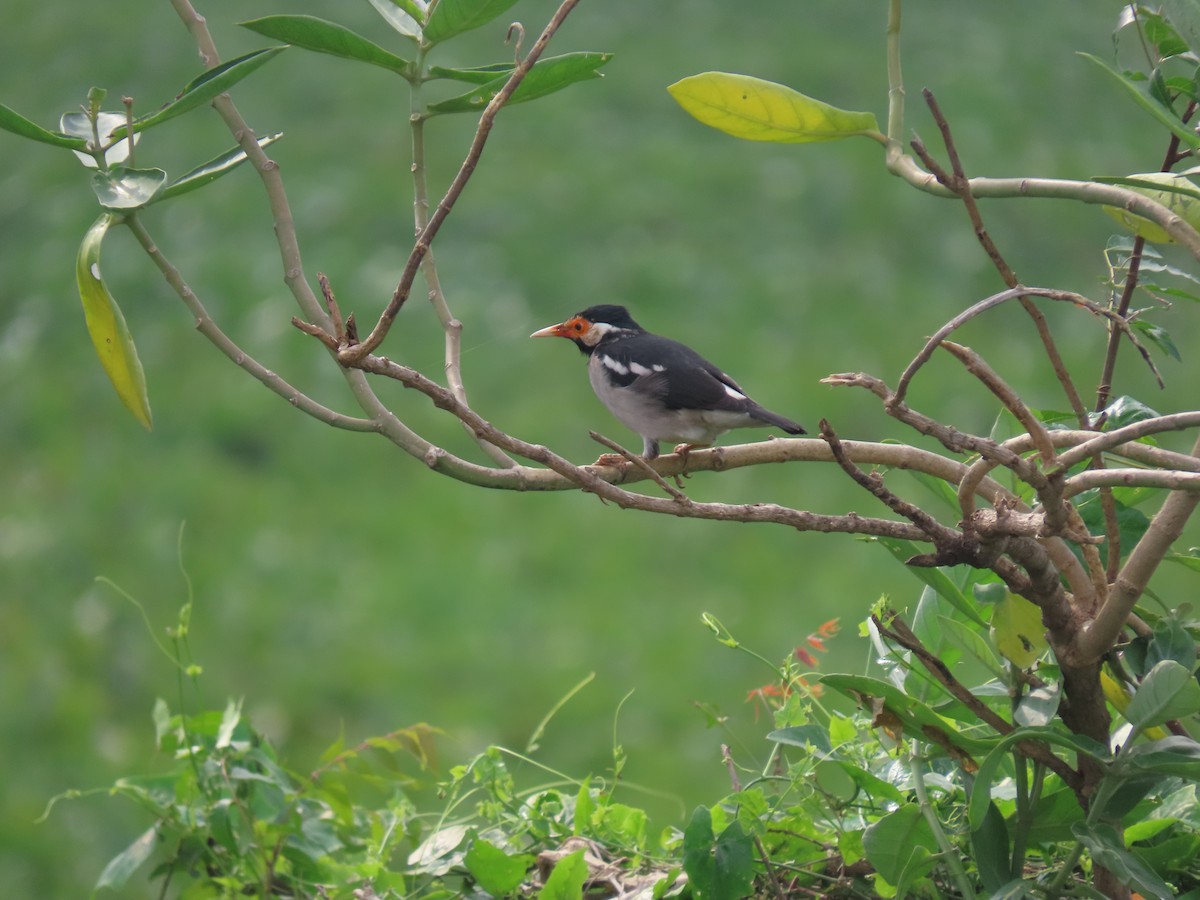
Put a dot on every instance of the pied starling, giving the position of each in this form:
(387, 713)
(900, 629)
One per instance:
(663, 390)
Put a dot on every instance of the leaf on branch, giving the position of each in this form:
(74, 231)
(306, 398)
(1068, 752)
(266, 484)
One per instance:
(212, 170)
(106, 325)
(1185, 16)
(1166, 117)
(546, 77)
(474, 75)
(125, 863)
(79, 125)
(405, 16)
(1175, 192)
(451, 17)
(11, 120)
(321, 36)
(1168, 692)
(758, 110)
(121, 189)
(206, 87)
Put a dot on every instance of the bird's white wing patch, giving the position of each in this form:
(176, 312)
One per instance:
(616, 365)
(736, 395)
(639, 369)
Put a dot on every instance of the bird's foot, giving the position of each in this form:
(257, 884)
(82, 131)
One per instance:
(682, 451)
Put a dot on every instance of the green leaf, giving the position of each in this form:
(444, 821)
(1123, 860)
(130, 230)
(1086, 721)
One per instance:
(106, 325)
(476, 75)
(991, 850)
(321, 36)
(1108, 850)
(918, 719)
(1190, 560)
(11, 120)
(546, 77)
(981, 792)
(1126, 410)
(1175, 755)
(567, 879)
(1171, 641)
(900, 843)
(211, 170)
(698, 840)
(206, 87)
(1156, 334)
(1168, 692)
(125, 863)
(733, 859)
(121, 189)
(451, 17)
(758, 110)
(935, 578)
(496, 872)
(1185, 16)
(1164, 116)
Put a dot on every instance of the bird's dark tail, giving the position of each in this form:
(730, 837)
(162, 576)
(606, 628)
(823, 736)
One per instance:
(765, 415)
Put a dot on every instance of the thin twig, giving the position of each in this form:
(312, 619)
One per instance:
(209, 328)
(454, 191)
(990, 379)
(997, 299)
(640, 463)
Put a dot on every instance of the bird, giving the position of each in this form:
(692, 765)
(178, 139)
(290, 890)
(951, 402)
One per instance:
(658, 387)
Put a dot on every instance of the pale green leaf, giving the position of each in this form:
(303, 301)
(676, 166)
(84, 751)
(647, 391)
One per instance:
(1177, 193)
(106, 325)
(402, 15)
(758, 110)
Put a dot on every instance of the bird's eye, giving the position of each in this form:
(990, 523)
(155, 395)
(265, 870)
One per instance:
(578, 326)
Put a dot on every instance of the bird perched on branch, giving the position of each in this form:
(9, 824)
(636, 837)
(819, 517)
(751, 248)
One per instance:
(662, 389)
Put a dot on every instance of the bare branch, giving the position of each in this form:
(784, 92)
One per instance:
(1012, 402)
(1113, 439)
(1166, 526)
(207, 327)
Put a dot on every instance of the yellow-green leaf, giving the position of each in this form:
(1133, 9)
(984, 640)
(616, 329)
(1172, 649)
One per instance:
(106, 325)
(758, 110)
(1179, 194)
(1018, 631)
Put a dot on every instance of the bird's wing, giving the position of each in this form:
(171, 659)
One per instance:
(673, 372)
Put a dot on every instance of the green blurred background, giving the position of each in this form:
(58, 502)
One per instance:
(340, 587)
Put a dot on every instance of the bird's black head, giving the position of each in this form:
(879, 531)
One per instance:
(590, 327)
(610, 314)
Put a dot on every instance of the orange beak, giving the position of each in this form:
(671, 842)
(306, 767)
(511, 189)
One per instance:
(574, 328)
(559, 330)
